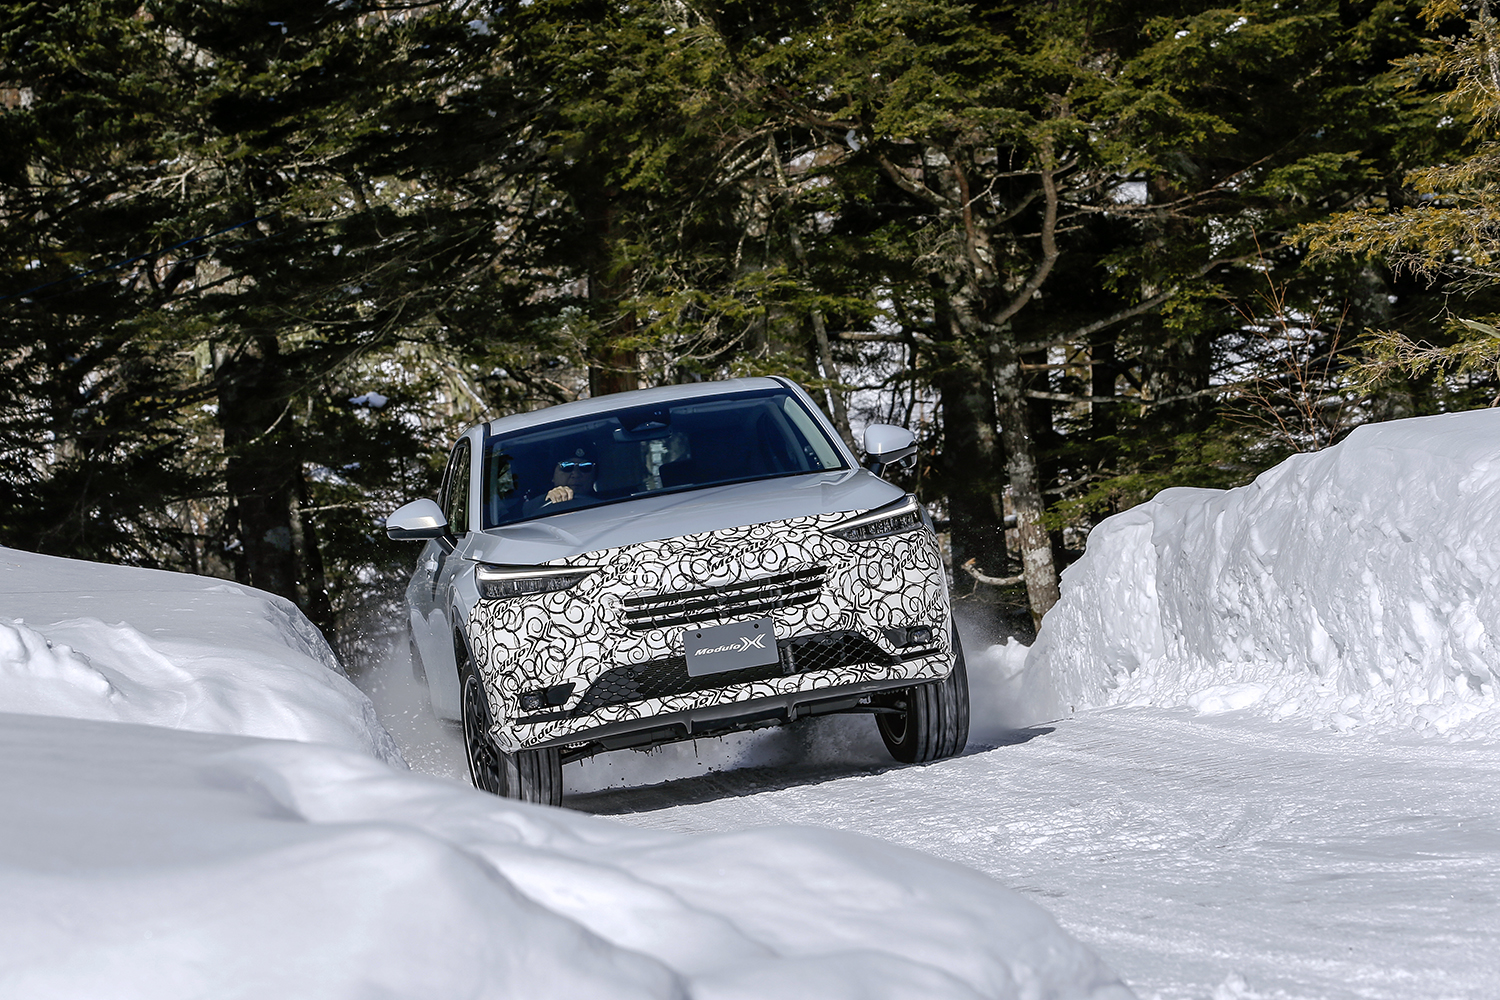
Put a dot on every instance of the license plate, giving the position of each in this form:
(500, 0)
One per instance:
(718, 648)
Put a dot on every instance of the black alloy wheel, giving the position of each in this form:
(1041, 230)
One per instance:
(486, 769)
(529, 775)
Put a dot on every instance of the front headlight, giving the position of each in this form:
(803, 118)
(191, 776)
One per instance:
(500, 582)
(896, 518)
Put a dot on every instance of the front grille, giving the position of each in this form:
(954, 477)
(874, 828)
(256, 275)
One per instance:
(669, 675)
(758, 597)
(829, 650)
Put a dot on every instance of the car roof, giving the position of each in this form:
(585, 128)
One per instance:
(610, 402)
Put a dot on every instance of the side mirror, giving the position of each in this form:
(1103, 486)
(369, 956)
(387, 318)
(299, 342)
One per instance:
(886, 445)
(419, 521)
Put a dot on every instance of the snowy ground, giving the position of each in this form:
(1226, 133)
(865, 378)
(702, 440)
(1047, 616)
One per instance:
(155, 863)
(1251, 755)
(157, 845)
(1218, 857)
(1255, 749)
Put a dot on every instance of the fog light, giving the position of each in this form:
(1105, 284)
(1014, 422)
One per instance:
(914, 635)
(535, 701)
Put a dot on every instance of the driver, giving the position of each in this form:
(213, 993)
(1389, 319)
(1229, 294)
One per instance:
(572, 482)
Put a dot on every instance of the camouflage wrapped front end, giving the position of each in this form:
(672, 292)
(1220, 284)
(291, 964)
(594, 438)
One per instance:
(610, 650)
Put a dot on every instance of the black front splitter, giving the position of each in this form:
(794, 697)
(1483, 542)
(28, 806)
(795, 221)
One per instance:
(717, 720)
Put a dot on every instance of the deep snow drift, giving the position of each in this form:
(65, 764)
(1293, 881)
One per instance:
(143, 862)
(90, 641)
(1355, 587)
(146, 861)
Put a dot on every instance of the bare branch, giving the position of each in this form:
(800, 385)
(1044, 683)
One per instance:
(1143, 401)
(910, 337)
(1050, 252)
(1144, 306)
(995, 581)
(921, 192)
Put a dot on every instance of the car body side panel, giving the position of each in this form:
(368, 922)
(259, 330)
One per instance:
(438, 663)
(435, 585)
(432, 631)
(574, 636)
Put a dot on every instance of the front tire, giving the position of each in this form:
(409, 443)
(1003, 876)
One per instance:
(934, 719)
(528, 775)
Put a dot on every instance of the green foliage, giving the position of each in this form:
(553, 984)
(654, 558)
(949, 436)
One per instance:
(1470, 360)
(218, 213)
(1440, 227)
(220, 223)
(1215, 458)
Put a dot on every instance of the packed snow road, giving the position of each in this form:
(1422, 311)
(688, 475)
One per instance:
(1225, 856)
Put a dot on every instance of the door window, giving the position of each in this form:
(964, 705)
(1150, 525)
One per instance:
(455, 498)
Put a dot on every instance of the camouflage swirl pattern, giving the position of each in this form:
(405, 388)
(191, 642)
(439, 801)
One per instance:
(573, 636)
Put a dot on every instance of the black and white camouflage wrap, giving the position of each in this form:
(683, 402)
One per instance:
(522, 644)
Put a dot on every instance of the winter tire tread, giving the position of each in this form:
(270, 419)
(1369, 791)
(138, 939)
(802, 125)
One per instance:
(935, 724)
(528, 775)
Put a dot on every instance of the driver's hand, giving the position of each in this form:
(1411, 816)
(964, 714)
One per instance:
(558, 494)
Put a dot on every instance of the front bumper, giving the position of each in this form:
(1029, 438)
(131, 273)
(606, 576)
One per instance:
(722, 718)
(616, 638)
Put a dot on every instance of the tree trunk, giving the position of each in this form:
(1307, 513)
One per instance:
(312, 590)
(839, 411)
(1037, 564)
(1046, 442)
(971, 471)
(261, 468)
(1104, 418)
(615, 372)
(616, 368)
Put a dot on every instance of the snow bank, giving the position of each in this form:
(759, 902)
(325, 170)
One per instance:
(1355, 587)
(139, 862)
(92, 641)
(154, 861)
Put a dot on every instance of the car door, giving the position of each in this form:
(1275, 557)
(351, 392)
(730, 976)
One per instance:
(432, 584)
(455, 503)
(458, 488)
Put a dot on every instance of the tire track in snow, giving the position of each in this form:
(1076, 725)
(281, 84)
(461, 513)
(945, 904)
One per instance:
(1190, 851)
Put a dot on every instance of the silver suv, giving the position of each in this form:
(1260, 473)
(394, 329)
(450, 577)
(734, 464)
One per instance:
(662, 565)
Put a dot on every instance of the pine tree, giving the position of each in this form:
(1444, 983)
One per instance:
(227, 207)
(93, 449)
(1069, 199)
(1441, 226)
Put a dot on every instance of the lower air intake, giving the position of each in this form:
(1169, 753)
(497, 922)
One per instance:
(669, 675)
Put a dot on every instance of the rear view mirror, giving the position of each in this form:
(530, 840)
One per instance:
(417, 522)
(887, 445)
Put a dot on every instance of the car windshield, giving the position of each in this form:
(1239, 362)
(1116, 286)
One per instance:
(661, 447)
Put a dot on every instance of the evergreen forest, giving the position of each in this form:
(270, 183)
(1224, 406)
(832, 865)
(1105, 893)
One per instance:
(262, 260)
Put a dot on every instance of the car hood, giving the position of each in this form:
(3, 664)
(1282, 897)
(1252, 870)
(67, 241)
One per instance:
(667, 515)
